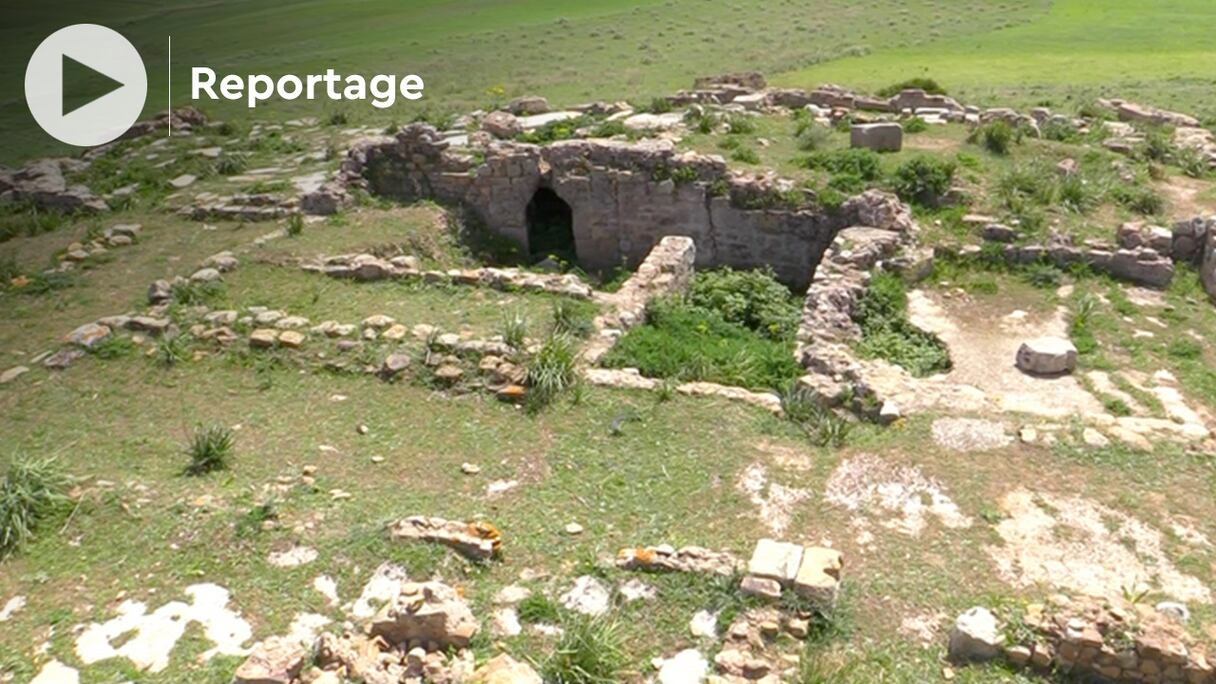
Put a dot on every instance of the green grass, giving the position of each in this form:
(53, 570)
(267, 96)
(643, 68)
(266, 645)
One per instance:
(1070, 53)
(637, 48)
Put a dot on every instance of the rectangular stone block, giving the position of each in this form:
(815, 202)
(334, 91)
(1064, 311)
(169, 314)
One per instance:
(880, 137)
(819, 574)
(775, 560)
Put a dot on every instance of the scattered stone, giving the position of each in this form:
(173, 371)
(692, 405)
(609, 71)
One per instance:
(761, 587)
(394, 365)
(449, 374)
(476, 540)
(1175, 610)
(1093, 438)
(588, 596)
(206, 275)
(276, 660)
(87, 335)
(574, 529)
(975, 636)
(292, 339)
(429, 612)
(503, 669)
(1047, 356)
(501, 125)
(11, 608)
(293, 557)
(263, 338)
(704, 625)
(470, 469)
(159, 292)
(183, 181)
(12, 374)
(687, 559)
(62, 358)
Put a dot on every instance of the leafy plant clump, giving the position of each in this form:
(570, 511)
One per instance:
(997, 137)
(30, 492)
(551, 371)
(752, 299)
(862, 163)
(924, 180)
(928, 85)
(210, 450)
(691, 343)
(886, 332)
(588, 652)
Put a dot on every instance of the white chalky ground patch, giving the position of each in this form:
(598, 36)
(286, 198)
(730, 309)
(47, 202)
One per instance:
(56, 672)
(501, 487)
(305, 627)
(293, 557)
(970, 434)
(865, 480)
(704, 624)
(686, 667)
(637, 590)
(1074, 543)
(505, 623)
(327, 587)
(158, 632)
(384, 584)
(11, 608)
(776, 502)
(588, 596)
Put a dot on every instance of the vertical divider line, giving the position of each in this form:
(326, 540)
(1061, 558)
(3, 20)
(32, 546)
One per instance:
(169, 71)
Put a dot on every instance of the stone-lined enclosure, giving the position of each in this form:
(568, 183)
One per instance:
(624, 197)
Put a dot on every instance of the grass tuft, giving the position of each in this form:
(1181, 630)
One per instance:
(210, 450)
(588, 652)
(32, 491)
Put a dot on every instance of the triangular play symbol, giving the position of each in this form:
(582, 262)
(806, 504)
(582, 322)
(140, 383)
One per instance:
(83, 84)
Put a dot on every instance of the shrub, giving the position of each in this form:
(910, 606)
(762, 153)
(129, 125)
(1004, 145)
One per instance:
(811, 136)
(745, 155)
(231, 164)
(996, 137)
(1076, 194)
(690, 343)
(700, 120)
(1138, 198)
(569, 318)
(752, 299)
(1158, 145)
(609, 129)
(658, 105)
(915, 124)
(1043, 275)
(923, 180)
(862, 163)
(551, 371)
(886, 332)
(30, 492)
(928, 85)
(802, 407)
(588, 652)
(113, 347)
(554, 131)
(210, 449)
(1192, 162)
(740, 124)
(338, 118)
(847, 183)
(192, 292)
(1059, 130)
(1025, 185)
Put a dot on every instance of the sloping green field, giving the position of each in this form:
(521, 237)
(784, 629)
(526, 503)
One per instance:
(1156, 51)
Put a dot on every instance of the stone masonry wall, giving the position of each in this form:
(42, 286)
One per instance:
(624, 198)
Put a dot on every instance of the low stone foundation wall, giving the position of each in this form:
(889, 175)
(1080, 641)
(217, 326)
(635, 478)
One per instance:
(1137, 644)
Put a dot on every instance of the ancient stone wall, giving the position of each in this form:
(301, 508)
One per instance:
(624, 198)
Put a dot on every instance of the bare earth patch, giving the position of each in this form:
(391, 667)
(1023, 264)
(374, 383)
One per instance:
(970, 434)
(868, 483)
(1077, 544)
(776, 502)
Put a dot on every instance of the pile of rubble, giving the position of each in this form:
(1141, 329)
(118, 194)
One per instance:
(42, 184)
(1136, 644)
(209, 206)
(476, 540)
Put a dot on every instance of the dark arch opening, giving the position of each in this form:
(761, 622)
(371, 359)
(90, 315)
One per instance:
(550, 227)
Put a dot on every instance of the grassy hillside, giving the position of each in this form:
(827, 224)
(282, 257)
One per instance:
(1079, 49)
(472, 52)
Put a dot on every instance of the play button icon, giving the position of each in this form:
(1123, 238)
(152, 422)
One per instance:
(85, 85)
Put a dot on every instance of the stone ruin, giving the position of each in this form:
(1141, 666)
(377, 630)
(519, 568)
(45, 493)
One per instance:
(615, 199)
(1139, 643)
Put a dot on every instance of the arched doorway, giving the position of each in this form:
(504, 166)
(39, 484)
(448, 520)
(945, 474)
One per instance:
(550, 227)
